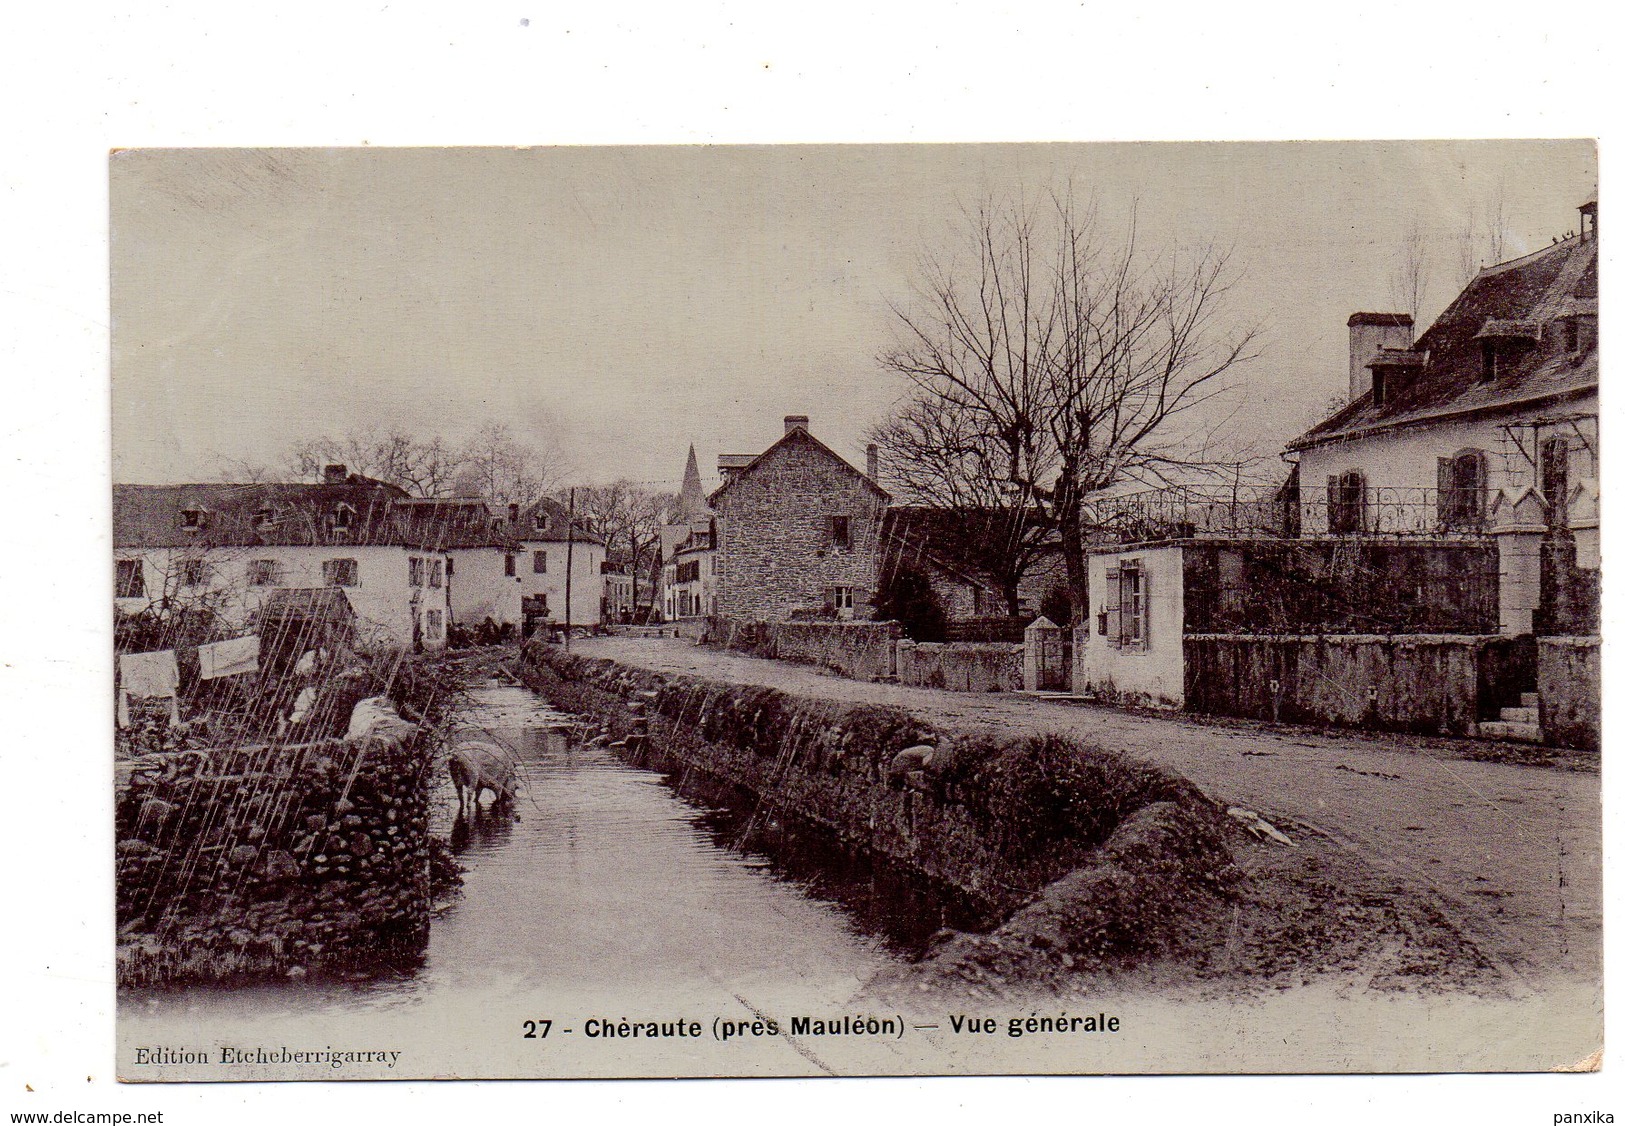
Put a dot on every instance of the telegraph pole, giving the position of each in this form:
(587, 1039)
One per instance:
(569, 564)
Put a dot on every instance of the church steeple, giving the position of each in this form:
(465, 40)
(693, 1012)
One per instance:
(691, 501)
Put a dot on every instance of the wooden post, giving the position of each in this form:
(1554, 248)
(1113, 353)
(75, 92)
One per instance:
(569, 564)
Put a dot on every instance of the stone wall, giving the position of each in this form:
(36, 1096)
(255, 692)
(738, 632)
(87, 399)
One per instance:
(1434, 685)
(265, 860)
(997, 818)
(1347, 585)
(777, 555)
(960, 667)
(861, 650)
(1569, 673)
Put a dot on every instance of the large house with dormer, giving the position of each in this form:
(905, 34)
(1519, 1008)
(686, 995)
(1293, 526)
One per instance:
(1489, 416)
(225, 550)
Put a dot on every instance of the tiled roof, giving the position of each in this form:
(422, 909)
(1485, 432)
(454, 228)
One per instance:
(558, 525)
(797, 434)
(1521, 298)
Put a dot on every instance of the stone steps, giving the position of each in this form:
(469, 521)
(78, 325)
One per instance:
(1512, 731)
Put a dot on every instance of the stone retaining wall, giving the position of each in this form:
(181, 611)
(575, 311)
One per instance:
(861, 650)
(271, 860)
(999, 819)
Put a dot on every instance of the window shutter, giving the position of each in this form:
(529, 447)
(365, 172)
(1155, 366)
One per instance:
(1114, 607)
(1447, 492)
(1145, 609)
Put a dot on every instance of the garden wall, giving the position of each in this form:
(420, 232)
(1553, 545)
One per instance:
(861, 650)
(1569, 677)
(960, 666)
(1435, 685)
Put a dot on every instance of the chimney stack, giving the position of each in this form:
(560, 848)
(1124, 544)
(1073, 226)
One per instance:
(795, 421)
(334, 475)
(874, 462)
(1368, 334)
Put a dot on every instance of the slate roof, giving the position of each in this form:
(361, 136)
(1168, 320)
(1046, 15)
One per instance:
(281, 514)
(1528, 294)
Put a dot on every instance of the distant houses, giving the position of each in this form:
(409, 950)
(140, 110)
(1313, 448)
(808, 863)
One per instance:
(410, 568)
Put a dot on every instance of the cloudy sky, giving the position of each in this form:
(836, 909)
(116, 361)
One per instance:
(624, 302)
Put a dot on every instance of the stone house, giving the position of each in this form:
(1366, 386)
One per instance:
(797, 533)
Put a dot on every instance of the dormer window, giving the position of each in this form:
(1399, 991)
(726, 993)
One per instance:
(194, 518)
(264, 518)
(541, 520)
(1571, 336)
(343, 516)
(1490, 360)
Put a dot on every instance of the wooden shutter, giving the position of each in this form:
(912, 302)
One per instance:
(1114, 607)
(1447, 494)
(1145, 609)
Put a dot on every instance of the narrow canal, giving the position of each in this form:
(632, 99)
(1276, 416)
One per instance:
(603, 892)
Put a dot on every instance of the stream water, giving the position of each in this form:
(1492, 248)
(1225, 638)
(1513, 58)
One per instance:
(602, 886)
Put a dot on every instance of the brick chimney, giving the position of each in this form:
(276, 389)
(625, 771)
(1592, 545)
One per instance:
(334, 475)
(1368, 333)
(873, 467)
(795, 421)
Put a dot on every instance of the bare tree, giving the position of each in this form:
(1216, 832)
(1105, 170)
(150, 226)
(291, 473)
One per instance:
(503, 469)
(1409, 277)
(424, 467)
(1071, 362)
(629, 517)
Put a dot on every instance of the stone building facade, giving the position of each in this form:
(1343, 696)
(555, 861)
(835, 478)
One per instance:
(798, 534)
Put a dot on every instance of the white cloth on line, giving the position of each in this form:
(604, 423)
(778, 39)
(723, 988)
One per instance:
(149, 674)
(229, 658)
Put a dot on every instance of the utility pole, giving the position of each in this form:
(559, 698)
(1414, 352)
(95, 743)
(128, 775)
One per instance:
(569, 564)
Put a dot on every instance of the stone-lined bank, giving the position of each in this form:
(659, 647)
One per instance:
(261, 860)
(1072, 854)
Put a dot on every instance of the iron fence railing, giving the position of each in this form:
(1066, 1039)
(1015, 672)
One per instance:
(1253, 511)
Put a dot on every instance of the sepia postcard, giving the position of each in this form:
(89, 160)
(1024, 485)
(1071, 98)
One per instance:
(797, 610)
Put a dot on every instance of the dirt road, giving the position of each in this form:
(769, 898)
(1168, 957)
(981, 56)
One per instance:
(1513, 852)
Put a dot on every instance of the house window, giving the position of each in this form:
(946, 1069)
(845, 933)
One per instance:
(449, 562)
(342, 516)
(414, 572)
(194, 519)
(194, 572)
(843, 601)
(1461, 491)
(1571, 335)
(1125, 620)
(840, 532)
(128, 579)
(434, 625)
(538, 562)
(340, 572)
(262, 572)
(509, 566)
(540, 520)
(1490, 362)
(437, 572)
(1345, 503)
(264, 518)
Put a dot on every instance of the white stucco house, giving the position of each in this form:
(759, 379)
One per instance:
(557, 559)
(1488, 416)
(223, 550)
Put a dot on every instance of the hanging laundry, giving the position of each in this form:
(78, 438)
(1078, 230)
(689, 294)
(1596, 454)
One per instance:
(149, 674)
(229, 658)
